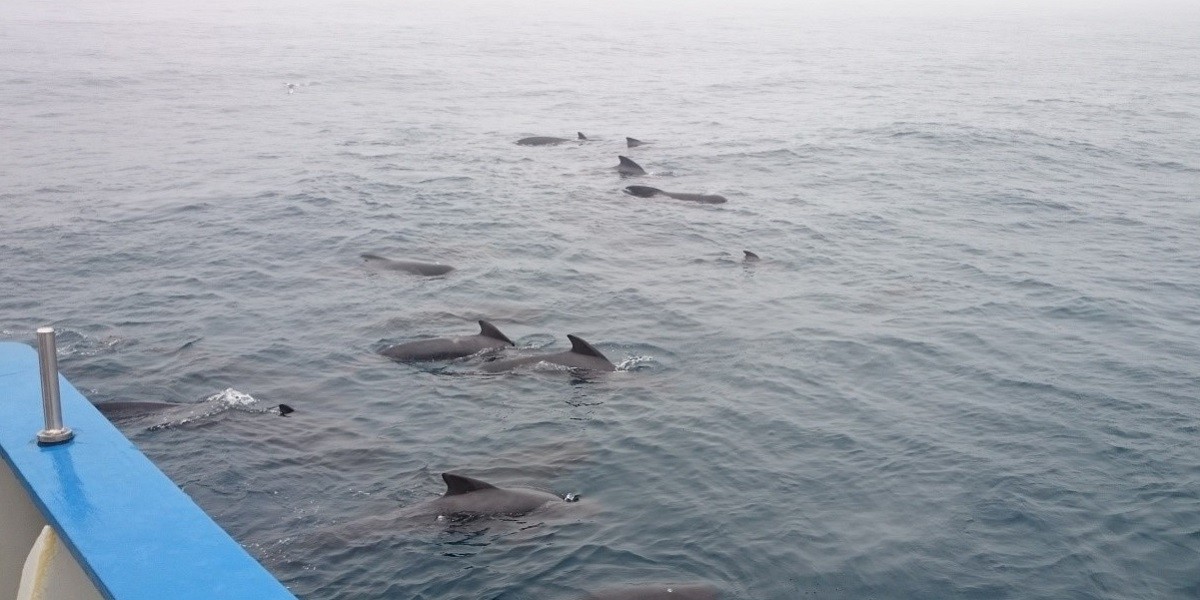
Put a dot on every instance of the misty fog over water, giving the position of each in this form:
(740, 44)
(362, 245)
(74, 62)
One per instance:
(966, 365)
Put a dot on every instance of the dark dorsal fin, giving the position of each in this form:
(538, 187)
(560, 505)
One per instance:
(633, 143)
(488, 330)
(581, 136)
(578, 346)
(625, 162)
(750, 255)
(457, 484)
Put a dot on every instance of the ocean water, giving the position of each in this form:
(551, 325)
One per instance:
(967, 366)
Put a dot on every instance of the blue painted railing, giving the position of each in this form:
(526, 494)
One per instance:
(134, 532)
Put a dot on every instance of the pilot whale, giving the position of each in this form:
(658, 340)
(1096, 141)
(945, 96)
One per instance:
(582, 355)
(628, 167)
(632, 143)
(645, 191)
(548, 141)
(123, 410)
(467, 497)
(750, 256)
(446, 348)
(465, 500)
(664, 591)
(407, 266)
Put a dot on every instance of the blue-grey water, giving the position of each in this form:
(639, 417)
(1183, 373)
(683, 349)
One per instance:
(966, 367)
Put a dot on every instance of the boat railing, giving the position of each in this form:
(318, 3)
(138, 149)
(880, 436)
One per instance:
(54, 432)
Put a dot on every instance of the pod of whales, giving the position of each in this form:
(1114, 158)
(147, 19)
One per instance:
(467, 497)
(628, 167)
(548, 141)
(446, 348)
(664, 591)
(645, 191)
(407, 266)
(582, 355)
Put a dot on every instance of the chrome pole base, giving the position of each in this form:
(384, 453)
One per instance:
(49, 437)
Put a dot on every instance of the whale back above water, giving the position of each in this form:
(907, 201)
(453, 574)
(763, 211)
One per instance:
(665, 591)
(470, 497)
(125, 410)
(701, 198)
(407, 266)
(645, 191)
(582, 355)
(122, 410)
(642, 191)
(750, 256)
(542, 140)
(632, 143)
(447, 348)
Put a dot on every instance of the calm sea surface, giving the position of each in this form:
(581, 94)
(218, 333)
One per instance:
(968, 365)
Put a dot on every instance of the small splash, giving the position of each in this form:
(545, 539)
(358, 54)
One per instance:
(231, 398)
(542, 365)
(536, 341)
(636, 363)
(73, 343)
